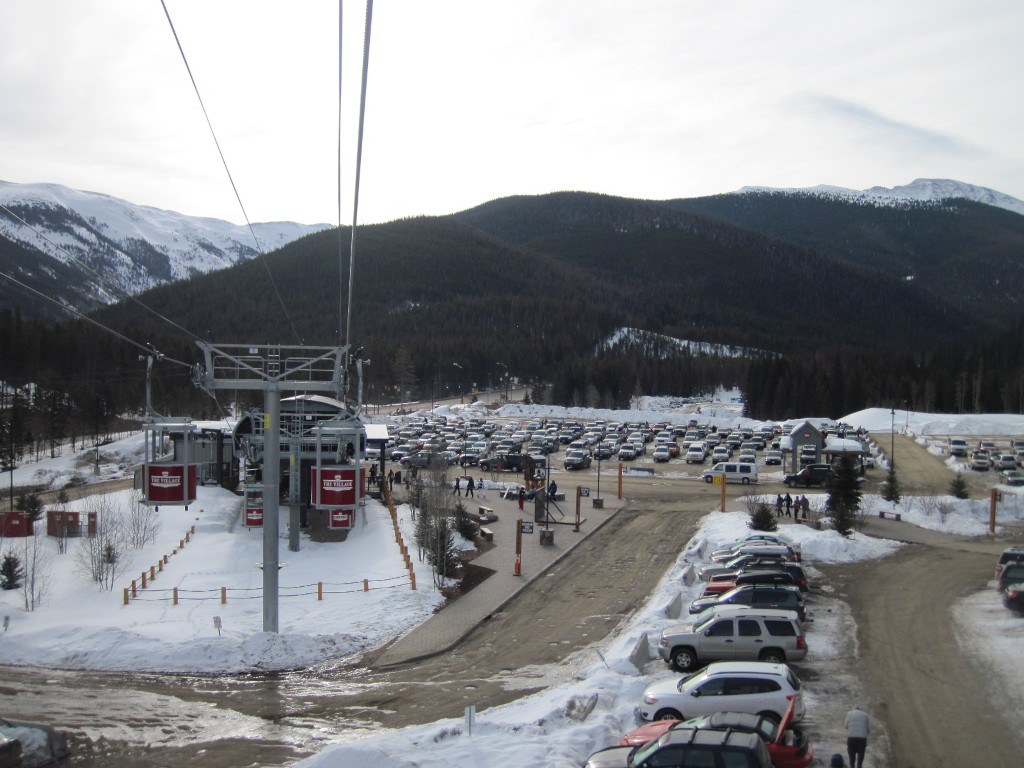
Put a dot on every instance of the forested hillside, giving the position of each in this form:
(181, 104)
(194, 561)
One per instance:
(535, 286)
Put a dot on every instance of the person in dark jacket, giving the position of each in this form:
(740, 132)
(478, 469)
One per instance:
(789, 505)
(522, 497)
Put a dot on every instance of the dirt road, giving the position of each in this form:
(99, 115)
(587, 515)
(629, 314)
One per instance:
(573, 606)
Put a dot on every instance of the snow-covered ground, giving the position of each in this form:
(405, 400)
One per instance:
(80, 625)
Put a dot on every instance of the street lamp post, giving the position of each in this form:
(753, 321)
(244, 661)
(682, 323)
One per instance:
(460, 380)
(504, 377)
(892, 437)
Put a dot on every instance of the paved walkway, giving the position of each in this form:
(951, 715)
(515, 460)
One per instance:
(447, 627)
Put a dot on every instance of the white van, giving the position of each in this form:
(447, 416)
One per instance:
(733, 472)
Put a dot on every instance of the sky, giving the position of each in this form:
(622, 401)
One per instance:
(469, 100)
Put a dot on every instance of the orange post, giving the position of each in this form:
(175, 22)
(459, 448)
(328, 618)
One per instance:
(134, 593)
(412, 581)
(993, 497)
(166, 559)
(160, 565)
(181, 544)
(152, 573)
(126, 595)
(223, 595)
(143, 579)
(319, 590)
(579, 495)
(175, 596)
(366, 585)
(620, 481)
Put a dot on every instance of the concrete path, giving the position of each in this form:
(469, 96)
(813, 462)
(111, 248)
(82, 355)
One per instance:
(453, 622)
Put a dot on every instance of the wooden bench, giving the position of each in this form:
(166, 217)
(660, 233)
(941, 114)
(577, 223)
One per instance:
(487, 534)
(486, 513)
(890, 515)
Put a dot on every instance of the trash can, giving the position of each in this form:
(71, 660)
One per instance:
(547, 537)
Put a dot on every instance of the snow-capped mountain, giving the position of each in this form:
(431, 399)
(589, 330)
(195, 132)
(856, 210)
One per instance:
(917, 190)
(125, 248)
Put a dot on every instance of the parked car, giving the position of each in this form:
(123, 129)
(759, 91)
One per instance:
(762, 635)
(689, 746)
(788, 746)
(1009, 555)
(1013, 597)
(1012, 573)
(1005, 461)
(723, 582)
(661, 453)
(1012, 477)
(754, 547)
(40, 744)
(754, 687)
(697, 453)
(980, 461)
(773, 457)
(627, 452)
(957, 446)
(812, 474)
(577, 459)
(786, 598)
(738, 563)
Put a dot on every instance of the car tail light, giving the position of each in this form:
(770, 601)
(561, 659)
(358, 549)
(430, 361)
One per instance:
(1011, 593)
(800, 642)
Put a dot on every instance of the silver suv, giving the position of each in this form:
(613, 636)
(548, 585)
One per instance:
(769, 635)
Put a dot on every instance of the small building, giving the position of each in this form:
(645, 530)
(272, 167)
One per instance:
(804, 435)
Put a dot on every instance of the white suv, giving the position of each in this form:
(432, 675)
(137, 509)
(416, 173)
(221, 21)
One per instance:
(757, 688)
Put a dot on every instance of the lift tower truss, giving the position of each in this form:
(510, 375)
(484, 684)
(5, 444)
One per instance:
(272, 369)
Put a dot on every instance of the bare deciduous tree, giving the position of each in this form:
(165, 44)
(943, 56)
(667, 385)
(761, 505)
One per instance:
(104, 557)
(142, 521)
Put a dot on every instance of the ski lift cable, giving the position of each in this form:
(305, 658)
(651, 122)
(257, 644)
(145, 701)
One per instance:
(227, 170)
(114, 289)
(148, 349)
(359, 163)
(341, 242)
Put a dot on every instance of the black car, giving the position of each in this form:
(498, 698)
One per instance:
(1012, 573)
(786, 598)
(812, 474)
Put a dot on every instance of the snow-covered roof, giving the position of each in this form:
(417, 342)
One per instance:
(842, 445)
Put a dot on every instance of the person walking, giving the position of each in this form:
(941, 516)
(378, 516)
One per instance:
(789, 505)
(480, 488)
(457, 491)
(856, 736)
(778, 505)
(805, 505)
(470, 486)
(391, 479)
(522, 498)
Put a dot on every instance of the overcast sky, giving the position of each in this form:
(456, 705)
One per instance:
(471, 100)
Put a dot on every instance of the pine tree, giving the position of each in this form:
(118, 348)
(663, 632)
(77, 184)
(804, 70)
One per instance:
(763, 519)
(958, 487)
(11, 572)
(891, 487)
(844, 496)
(464, 524)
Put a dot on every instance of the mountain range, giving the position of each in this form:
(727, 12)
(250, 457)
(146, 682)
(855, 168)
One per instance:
(546, 283)
(86, 249)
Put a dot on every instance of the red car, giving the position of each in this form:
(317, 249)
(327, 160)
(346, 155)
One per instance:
(789, 747)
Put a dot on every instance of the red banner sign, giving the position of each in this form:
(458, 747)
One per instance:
(166, 483)
(339, 518)
(335, 487)
(254, 517)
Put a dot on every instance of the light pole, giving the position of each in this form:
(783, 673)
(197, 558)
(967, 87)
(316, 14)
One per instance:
(892, 436)
(505, 378)
(459, 380)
